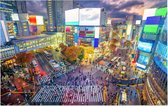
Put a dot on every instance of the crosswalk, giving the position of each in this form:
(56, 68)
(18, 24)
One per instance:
(68, 94)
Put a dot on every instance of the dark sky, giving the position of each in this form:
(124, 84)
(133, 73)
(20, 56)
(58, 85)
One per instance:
(114, 8)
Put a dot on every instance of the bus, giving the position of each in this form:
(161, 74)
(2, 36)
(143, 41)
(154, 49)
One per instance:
(34, 63)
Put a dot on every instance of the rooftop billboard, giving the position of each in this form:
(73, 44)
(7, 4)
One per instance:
(72, 17)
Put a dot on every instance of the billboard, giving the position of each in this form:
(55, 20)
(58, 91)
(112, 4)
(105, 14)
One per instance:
(145, 46)
(138, 22)
(151, 29)
(149, 12)
(39, 20)
(72, 17)
(86, 32)
(161, 50)
(161, 12)
(33, 28)
(90, 17)
(32, 20)
(142, 61)
(15, 17)
(97, 32)
(153, 20)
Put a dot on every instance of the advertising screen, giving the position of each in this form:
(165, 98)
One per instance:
(161, 50)
(72, 17)
(151, 29)
(145, 46)
(39, 20)
(153, 20)
(161, 12)
(33, 28)
(96, 42)
(15, 17)
(23, 17)
(90, 17)
(148, 13)
(86, 32)
(32, 20)
(138, 22)
(143, 59)
(97, 32)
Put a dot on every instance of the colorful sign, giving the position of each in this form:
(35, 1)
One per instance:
(145, 46)
(32, 20)
(153, 20)
(151, 29)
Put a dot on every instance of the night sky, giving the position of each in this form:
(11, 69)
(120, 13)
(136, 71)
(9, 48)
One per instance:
(114, 8)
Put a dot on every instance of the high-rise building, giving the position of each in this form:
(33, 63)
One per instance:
(56, 16)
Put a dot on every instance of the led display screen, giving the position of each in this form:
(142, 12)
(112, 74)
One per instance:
(145, 46)
(86, 32)
(72, 17)
(97, 32)
(15, 17)
(39, 20)
(151, 29)
(161, 12)
(32, 20)
(161, 50)
(33, 28)
(90, 16)
(153, 20)
(143, 59)
(96, 42)
(68, 29)
(138, 22)
(148, 13)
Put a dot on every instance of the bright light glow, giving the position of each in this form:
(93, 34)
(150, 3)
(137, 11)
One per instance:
(32, 20)
(15, 17)
(149, 12)
(145, 46)
(97, 32)
(140, 65)
(72, 17)
(90, 16)
(39, 20)
(138, 22)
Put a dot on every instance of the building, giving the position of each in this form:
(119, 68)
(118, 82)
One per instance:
(56, 17)
(152, 55)
(6, 10)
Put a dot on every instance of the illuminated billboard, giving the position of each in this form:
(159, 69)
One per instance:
(138, 22)
(86, 32)
(39, 20)
(161, 12)
(90, 17)
(153, 20)
(145, 46)
(32, 20)
(72, 17)
(148, 13)
(161, 50)
(142, 61)
(97, 32)
(151, 29)
(15, 17)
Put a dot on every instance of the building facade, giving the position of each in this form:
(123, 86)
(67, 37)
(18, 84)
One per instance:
(56, 14)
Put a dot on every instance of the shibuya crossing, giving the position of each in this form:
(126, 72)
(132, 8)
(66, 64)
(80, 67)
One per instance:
(81, 52)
